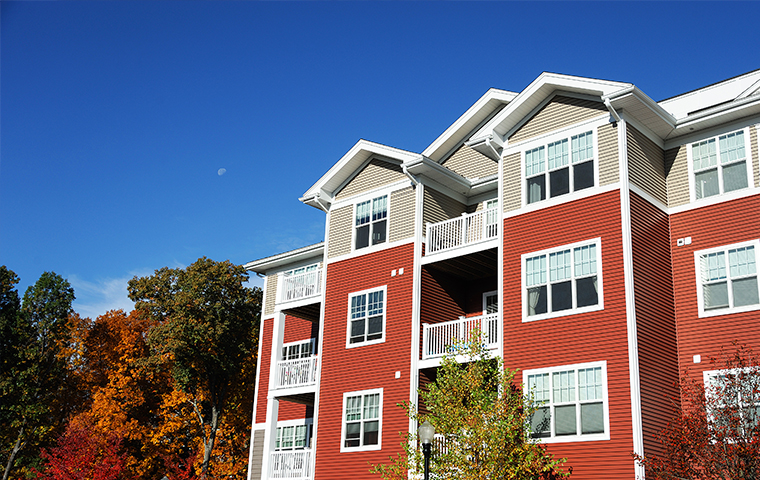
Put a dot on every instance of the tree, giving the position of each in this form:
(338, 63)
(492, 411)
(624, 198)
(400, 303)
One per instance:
(715, 434)
(483, 421)
(34, 366)
(206, 325)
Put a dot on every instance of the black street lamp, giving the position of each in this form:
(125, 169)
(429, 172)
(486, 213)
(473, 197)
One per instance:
(427, 432)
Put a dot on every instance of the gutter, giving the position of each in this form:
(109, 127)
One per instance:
(411, 177)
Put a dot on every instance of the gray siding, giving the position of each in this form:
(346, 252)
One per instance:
(339, 242)
(512, 182)
(607, 143)
(470, 163)
(677, 172)
(258, 453)
(559, 112)
(646, 165)
(438, 207)
(401, 221)
(375, 174)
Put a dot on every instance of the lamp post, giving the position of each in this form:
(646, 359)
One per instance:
(427, 432)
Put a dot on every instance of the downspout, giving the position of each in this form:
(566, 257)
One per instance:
(493, 149)
(609, 106)
(319, 202)
(411, 177)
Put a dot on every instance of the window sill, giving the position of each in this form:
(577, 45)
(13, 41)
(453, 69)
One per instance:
(727, 311)
(563, 313)
(369, 448)
(364, 344)
(596, 437)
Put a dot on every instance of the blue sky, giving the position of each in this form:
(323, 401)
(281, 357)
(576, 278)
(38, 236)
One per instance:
(116, 117)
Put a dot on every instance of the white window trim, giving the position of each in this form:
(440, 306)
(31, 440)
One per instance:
(545, 141)
(384, 289)
(573, 311)
(698, 278)
(724, 196)
(290, 272)
(369, 196)
(301, 422)
(299, 342)
(605, 402)
(363, 448)
(488, 294)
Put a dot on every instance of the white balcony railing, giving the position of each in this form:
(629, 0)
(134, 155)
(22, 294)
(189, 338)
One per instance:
(302, 285)
(299, 372)
(461, 231)
(438, 338)
(294, 465)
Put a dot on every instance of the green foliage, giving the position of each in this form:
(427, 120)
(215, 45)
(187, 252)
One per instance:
(34, 367)
(206, 327)
(481, 418)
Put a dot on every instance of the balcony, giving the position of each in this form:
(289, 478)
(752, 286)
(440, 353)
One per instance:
(437, 339)
(294, 465)
(299, 372)
(299, 286)
(469, 229)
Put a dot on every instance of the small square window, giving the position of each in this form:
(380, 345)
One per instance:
(366, 317)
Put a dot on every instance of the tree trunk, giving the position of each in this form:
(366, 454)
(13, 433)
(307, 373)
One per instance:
(16, 448)
(208, 445)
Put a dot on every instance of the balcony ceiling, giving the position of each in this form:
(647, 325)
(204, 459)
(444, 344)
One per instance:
(473, 266)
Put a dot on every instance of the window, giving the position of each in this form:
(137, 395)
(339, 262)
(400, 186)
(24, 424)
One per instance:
(366, 317)
(492, 218)
(371, 222)
(560, 167)
(733, 402)
(571, 401)
(490, 303)
(295, 350)
(727, 279)
(719, 165)
(292, 437)
(562, 281)
(362, 413)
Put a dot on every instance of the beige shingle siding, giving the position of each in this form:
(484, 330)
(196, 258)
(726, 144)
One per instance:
(339, 242)
(512, 182)
(609, 167)
(755, 160)
(375, 174)
(438, 207)
(677, 172)
(470, 163)
(646, 165)
(559, 112)
(271, 297)
(258, 454)
(401, 215)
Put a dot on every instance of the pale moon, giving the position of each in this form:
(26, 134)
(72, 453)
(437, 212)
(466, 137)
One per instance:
(221, 171)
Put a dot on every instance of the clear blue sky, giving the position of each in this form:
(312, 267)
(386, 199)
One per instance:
(116, 117)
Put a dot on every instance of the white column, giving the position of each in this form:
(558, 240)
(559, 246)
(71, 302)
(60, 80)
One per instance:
(273, 403)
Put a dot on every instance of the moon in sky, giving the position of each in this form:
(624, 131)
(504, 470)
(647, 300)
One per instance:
(221, 171)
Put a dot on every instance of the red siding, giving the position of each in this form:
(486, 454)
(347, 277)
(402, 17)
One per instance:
(362, 368)
(572, 339)
(299, 329)
(655, 318)
(714, 226)
(266, 354)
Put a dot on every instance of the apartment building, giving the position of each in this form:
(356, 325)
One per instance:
(602, 241)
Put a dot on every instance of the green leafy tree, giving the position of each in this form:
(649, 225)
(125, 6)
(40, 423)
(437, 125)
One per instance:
(206, 326)
(34, 367)
(482, 420)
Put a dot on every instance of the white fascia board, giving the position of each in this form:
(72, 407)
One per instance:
(426, 167)
(467, 122)
(537, 91)
(642, 108)
(349, 163)
(723, 113)
(266, 264)
(715, 94)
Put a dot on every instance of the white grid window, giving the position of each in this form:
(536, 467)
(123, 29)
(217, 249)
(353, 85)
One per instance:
(719, 165)
(571, 402)
(295, 350)
(371, 222)
(733, 401)
(562, 281)
(362, 418)
(727, 279)
(292, 437)
(569, 167)
(366, 317)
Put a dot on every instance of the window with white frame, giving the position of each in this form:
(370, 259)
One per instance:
(362, 418)
(295, 350)
(366, 317)
(300, 270)
(733, 402)
(371, 222)
(571, 402)
(560, 167)
(562, 281)
(727, 279)
(292, 437)
(492, 218)
(720, 165)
